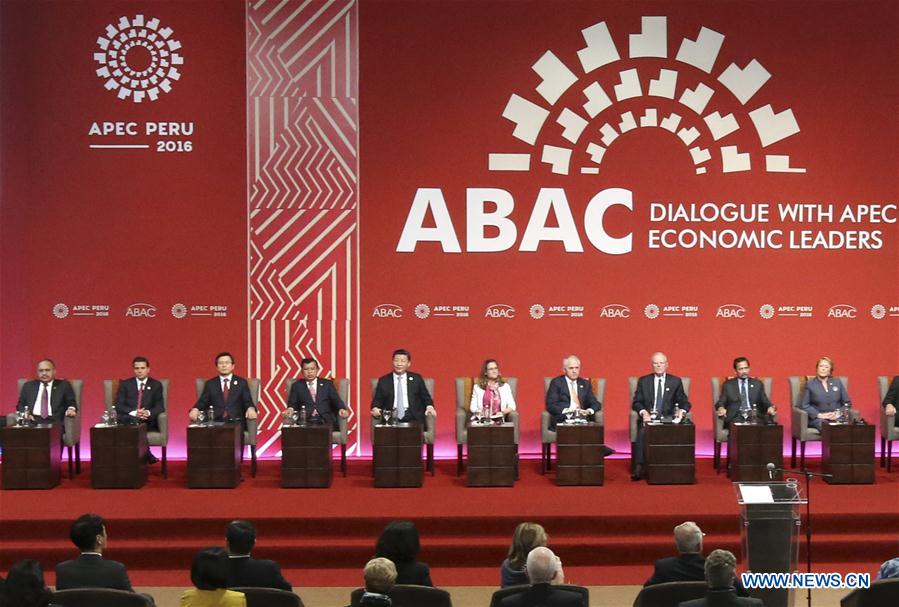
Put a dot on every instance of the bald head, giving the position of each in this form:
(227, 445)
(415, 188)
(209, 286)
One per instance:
(541, 565)
(659, 363)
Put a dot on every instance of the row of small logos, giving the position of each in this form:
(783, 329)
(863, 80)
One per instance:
(620, 311)
(140, 310)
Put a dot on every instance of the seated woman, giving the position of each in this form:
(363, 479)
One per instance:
(209, 573)
(527, 536)
(823, 395)
(25, 586)
(399, 543)
(491, 391)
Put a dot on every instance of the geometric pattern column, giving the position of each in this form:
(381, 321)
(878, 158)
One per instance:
(303, 127)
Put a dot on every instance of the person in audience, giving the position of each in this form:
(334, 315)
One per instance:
(823, 395)
(891, 399)
(399, 542)
(140, 399)
(545, 573)
(689, 564)
(403, 392)
(47, 399)
(527, 536)
(889, 569)
(741, 390)
(90, 569)
(209, 573)
(244, 570)
(227, 394)
(380, 577)
(491, 390)
(25, 586)
(570, 393)
(720, 575)
(317, 395)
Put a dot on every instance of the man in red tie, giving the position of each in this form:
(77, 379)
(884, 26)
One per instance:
(140, 399)
(47, 399)
(317, 395)
(227, 394)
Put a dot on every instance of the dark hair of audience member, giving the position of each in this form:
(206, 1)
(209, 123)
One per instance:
(84, 531)
(209, 570)
(25, 586)
(241, 536)
(526, 537)
(399, 542)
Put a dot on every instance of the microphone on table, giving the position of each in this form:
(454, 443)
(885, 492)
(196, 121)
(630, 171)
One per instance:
(771, 468)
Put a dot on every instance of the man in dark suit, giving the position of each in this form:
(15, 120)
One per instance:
(545, 573)
(244, 570)
(403, 392)
(569, 393)
(316, 395)
(227, 394)
(743, 389)
(47, 399)
(720, 575)
(891, 399)
(688, 565)
(140, 400)
(658, 395)
(90, 569)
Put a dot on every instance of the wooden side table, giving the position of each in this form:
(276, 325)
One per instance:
(847, 452)
(579, 459)
(118, 456)
(751, 447)
(491, 455)
(669, 455)
(306, 456)
(213, 456)
(397, 456)
(31, 457)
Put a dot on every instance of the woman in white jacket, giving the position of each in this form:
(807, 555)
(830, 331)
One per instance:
(491, 390)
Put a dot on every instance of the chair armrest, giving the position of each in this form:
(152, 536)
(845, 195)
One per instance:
(430, 424)
(341, 433)
(887, 424)
(798, 422)
(599, 418)
(72, 428)
(633, 425)
(252, 431)
(512, 417)
(546, 436)
(10, 419)
(162, 420)
(461, 426)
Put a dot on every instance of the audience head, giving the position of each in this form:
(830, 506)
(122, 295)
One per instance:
(542, 565)
(719, 569)
(380, 575)
(88, 532)
(399, 542)
(688, 538)
(241, 536)
(209, 570)
(527, 536)
(25, 586)
(889, 569)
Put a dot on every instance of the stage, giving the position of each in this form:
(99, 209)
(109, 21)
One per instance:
(605, 535)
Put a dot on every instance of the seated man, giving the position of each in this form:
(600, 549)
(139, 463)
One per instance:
(660, 395)
(317, 396)
(545, 571)
(90, 569)
(403, 392)
(380, 577)
(743, 391)
(227, 394)
(47, 400)
(568, 393)
(140, 400)
(720, 576)
(244, 570)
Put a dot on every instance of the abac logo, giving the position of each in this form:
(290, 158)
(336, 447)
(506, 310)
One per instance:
(842, 311)
(387, 311)
(675, 97)
(137, 58)
(141, 310)
(615, 311)
(730, 311)
(499, 311)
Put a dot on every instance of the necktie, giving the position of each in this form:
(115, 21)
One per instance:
(400, 405)
(225, 390)
(575, 401)
(45, 400)
(659, 396)
(744, 394)
(312, 389)
(140, 395)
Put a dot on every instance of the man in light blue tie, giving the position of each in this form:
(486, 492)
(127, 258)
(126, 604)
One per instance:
(743, 391)
(403, 392)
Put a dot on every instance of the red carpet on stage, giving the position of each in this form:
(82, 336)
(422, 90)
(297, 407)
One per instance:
(323, 537)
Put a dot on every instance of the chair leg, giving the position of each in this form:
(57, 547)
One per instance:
(716, 460)
(549, 456)
(71, 468)
(802, 455)
(793, 454)
(343, 459)
(889, 456)
(165, 463)
(459, 459)
(883, 451)
(78, 457)
(431, 459)
(517, 476)
(253, 461)
(542, 458)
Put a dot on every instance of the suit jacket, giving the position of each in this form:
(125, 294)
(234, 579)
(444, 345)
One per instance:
(892, 395)
(543, 595)
(153, 399)
(730, 398)
(62, 396)
(92, 571)
(247, 571)
(723, 598)
(239, 399)
(558, 398)
(815, 399)
(681, 568)
(327, 401)
(419, 397)
(644, 395)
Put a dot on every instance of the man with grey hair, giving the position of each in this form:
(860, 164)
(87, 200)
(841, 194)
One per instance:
(720, 574)
(688, 565)
(545, 573)
(570, 393)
